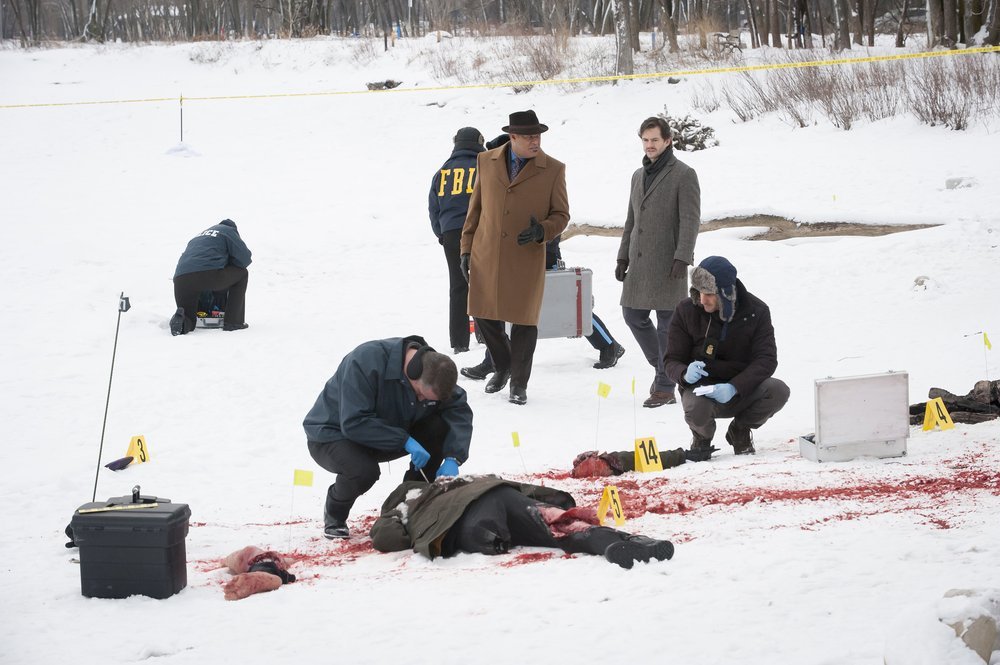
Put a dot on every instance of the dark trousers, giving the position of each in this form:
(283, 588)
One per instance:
(512, 355)
(458, 290)
(188, 287)
(504, 518)
(357, 467)
(601, 337)
(652, 340)
(749, 411)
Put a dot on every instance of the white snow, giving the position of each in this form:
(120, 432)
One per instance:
(778, 560)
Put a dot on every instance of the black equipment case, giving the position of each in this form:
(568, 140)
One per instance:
(132, 545)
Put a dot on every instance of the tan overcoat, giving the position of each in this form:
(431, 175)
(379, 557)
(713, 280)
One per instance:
(507, 280)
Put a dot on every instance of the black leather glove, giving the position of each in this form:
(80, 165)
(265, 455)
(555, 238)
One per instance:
(620, 269)
(441, 240)
(678, 270)
(534, 233)
(700, 455)
(498, 141)
(465, 266)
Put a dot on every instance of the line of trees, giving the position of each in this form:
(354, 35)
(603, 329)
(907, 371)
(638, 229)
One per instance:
(779, 23)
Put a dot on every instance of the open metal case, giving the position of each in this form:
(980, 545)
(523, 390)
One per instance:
(859, 416)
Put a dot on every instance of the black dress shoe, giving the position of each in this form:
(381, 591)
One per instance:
(335, 528)
(497, 382)
(478, 372)
(518, 395)
(242, 326)
(459, 349)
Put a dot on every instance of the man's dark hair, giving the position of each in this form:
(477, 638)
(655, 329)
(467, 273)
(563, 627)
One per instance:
(440, 374)
(653, 122)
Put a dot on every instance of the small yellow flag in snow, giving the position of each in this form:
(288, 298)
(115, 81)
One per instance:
(986, 341)
(633, 385)
(516, 438)
(603, 389)
(303, 478)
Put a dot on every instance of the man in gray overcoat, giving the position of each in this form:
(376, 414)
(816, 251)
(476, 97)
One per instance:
(661, 228)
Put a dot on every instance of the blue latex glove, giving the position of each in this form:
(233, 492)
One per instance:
(449, 467)
(418, 456)
(695, 372)
(723, 393)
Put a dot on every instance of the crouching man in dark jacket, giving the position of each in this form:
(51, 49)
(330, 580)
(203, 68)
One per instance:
(721, 353)
(389, 398)
(214, 260)
(489, 515)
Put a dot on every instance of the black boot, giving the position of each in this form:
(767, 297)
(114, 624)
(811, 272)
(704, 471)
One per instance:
(518, 395)
(638, 548)
(177, 322)
(478, 372)
(334, 527)
(609, 356)
(740, 439)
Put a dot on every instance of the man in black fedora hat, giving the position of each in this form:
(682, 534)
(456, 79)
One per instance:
(519, 203)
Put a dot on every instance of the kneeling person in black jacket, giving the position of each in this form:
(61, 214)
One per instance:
(214, 260)
(388, 398)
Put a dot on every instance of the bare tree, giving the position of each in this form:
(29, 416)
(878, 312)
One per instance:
(774, 23)
(993, 23)
(624, 64)
(669, 25)
(901, 31)
(842, 21)
(935, 22)
(949, 25)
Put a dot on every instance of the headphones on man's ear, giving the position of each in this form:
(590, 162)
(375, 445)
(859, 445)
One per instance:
(415, 368)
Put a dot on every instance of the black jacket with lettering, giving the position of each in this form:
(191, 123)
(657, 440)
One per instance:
(451, 188)
(213, 249)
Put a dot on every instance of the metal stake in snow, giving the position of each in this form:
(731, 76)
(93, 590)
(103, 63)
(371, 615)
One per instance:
(123, 306)
(987, 346)
(182, 117)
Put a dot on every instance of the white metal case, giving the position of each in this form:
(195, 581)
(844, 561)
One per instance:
(859, 416)
(567, 304)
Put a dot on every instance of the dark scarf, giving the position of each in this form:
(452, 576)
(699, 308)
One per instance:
(653, 168)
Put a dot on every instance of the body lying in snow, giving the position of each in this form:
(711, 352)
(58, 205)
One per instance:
(490, 515)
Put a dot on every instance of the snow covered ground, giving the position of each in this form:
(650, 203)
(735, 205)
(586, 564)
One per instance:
(779, 560)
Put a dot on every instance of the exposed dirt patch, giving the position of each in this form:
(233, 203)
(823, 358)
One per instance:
(778, 228)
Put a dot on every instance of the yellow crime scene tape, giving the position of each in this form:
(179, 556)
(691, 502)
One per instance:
(509, 84)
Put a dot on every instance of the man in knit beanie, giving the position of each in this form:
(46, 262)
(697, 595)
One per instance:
(721, 353)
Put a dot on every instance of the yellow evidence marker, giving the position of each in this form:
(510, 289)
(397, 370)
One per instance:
(611, 500)
(647, 458)
(138, 450)
(936, 414)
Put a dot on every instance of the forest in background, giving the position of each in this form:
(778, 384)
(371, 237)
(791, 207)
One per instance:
(791, 24)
